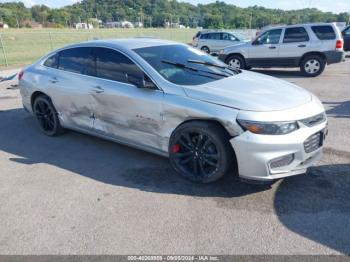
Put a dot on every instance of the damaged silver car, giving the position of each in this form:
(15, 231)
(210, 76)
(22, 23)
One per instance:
(177, 101)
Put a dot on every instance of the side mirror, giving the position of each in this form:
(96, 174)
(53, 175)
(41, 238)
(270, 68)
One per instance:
(140, 81)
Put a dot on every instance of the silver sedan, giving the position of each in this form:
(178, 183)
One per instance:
(176, 101)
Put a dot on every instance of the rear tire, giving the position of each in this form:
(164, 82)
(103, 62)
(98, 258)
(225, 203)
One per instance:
(200, 151)
(46, 116)
(236, 61)
(312, 65)
(205, 49)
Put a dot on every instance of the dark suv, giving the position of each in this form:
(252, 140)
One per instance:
(346, 36)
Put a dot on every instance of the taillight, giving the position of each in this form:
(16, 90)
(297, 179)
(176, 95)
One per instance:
(20, 75)
(339, 44)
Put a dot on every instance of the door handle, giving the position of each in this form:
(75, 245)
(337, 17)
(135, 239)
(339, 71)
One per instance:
(272, 47)
(54, 80)
(301, 45)
(98, 89)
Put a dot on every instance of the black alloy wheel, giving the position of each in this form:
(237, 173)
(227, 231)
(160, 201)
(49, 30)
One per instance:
(200, 152)
(46, 116)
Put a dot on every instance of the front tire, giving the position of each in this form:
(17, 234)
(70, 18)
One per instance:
(236, 61)
(46, 116)
(200, 151)
(312, 66)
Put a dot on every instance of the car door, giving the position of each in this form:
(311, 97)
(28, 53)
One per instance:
(121, 109)
(264, 50)
(346, 36)
(69, 85)
(214, 42)
(296, 42)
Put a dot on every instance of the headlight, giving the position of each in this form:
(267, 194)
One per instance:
(221, 52)
(269, 128)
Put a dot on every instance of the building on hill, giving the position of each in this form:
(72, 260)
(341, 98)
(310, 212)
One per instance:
(3, 25)
(84, 26)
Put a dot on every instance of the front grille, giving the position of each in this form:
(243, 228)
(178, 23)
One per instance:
(314, 120)
(313, 142)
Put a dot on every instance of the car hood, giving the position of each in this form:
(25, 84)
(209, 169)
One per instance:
(251, 91)
(236, 46)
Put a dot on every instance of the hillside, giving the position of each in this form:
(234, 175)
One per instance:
(155, 13)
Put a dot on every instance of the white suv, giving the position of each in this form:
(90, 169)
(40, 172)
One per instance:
(214, 41)
(308, 46)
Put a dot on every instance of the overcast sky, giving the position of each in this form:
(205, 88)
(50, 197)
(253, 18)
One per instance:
(336, 6)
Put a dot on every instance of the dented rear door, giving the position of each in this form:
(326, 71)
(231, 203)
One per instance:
(71, 85)
(122, 110)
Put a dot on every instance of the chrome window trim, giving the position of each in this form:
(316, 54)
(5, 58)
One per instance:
(133, 60)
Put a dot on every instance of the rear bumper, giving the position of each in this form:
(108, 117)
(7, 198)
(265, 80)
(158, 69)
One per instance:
(256, 153)
(334, 56)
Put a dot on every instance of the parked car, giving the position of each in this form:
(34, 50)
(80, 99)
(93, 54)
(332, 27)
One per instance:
(170, 99)
(346, 37)
(308, 46)
(214, 41)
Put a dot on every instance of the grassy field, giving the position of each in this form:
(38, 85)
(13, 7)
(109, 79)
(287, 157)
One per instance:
(23, 46)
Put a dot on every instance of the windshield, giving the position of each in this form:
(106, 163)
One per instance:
(184, 65)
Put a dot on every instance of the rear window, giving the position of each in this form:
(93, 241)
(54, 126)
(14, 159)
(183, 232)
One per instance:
(212, 36)
(324, 32)
(295, 34)
(52, 61)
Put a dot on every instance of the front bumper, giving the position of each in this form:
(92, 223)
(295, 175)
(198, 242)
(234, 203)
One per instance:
(254, 153)
(222, 57)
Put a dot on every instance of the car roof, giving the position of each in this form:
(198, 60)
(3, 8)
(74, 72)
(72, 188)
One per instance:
(208, 31)
(125, 43)
(297, 25)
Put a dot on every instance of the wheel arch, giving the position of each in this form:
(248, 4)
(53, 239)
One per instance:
(213, 121)
(234, 54)
(205, 46)
(35, 95)
(313, 53)
(220, 125)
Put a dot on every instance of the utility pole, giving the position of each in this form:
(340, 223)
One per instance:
(250, 20)
(17, 21)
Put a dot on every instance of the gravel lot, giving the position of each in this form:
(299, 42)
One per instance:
(77, 194)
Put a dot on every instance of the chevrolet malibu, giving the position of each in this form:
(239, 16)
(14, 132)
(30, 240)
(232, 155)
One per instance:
(176, 101)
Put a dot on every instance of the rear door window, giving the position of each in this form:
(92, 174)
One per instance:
(324, 32)
(204, 36)
(215, 36)
(112, 65)
(295, 34)
(77, 60)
